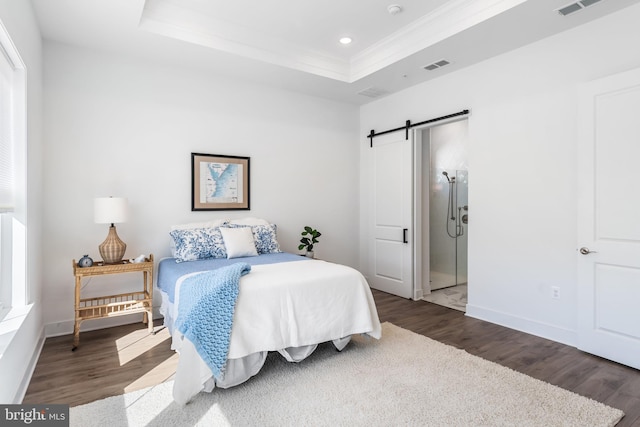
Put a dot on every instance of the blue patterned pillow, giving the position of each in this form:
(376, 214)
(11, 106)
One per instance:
(264, 237)
(198, 243)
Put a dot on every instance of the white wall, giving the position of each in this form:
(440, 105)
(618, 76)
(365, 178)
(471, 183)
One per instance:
(18, 354)
(125, 127)
(522, 164)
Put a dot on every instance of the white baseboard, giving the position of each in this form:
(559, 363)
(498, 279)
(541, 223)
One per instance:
(533, 327)
(65, 327)
(31, 367)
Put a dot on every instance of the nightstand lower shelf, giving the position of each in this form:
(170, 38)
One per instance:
(113, 305)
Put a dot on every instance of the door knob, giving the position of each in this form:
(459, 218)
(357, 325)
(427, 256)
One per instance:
(585, 251)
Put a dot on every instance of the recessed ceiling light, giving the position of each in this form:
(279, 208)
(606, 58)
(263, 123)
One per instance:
(346, 40)
(394, 9)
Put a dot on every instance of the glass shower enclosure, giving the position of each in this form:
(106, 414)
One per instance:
(448, 226)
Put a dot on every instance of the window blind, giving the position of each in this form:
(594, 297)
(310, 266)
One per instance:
(7, 73)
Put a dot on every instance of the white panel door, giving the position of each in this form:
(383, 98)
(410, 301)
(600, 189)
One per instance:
(391, 244)
(609, 219)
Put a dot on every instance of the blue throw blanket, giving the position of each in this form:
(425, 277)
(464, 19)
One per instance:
(205, 312)
(169, 271)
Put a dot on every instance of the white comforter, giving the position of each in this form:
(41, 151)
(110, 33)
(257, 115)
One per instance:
(288, 307)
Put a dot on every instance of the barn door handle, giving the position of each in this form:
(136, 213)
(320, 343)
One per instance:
(404, 235)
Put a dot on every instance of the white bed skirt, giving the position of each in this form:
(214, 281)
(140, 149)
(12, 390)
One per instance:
(193, 375)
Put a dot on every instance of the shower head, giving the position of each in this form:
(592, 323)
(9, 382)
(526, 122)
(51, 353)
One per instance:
(446, 175)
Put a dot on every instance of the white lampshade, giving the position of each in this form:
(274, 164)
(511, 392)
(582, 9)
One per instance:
(110, 210)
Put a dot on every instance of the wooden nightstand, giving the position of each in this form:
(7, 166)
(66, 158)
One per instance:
(113, 305)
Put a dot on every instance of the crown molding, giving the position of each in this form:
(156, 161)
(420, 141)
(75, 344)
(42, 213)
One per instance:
(170, 18)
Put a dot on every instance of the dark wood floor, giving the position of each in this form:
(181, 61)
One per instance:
(118, 360)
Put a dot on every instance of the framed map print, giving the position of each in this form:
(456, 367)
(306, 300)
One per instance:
(219, 182)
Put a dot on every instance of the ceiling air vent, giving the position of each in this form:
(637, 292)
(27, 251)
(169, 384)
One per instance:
(574, 7)
(436, 65)
(372, 92)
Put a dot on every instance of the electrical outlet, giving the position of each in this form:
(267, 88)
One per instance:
(555, 292)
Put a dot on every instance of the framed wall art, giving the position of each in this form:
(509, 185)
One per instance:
(219, 182)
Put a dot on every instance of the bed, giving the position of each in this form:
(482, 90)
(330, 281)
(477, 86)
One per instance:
(285, 302)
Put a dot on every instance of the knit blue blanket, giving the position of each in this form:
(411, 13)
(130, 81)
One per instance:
(205, 312)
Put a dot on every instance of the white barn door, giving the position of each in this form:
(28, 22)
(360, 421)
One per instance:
(391, 235)
(609, 219)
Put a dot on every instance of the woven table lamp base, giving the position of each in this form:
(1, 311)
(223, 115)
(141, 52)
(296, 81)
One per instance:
(112, 249)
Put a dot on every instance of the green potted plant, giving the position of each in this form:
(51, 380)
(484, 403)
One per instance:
(309, 238)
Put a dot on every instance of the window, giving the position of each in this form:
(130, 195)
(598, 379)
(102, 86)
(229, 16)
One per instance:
(12, 182)
(7, 71)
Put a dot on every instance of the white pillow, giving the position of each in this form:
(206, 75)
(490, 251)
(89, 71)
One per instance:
(238, 242)
(249, 221)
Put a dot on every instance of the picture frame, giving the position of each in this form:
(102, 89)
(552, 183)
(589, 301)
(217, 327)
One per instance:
(219, 182)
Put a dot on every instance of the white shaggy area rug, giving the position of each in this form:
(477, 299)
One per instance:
(403, 379)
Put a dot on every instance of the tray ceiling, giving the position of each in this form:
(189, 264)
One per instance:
(294, 44)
